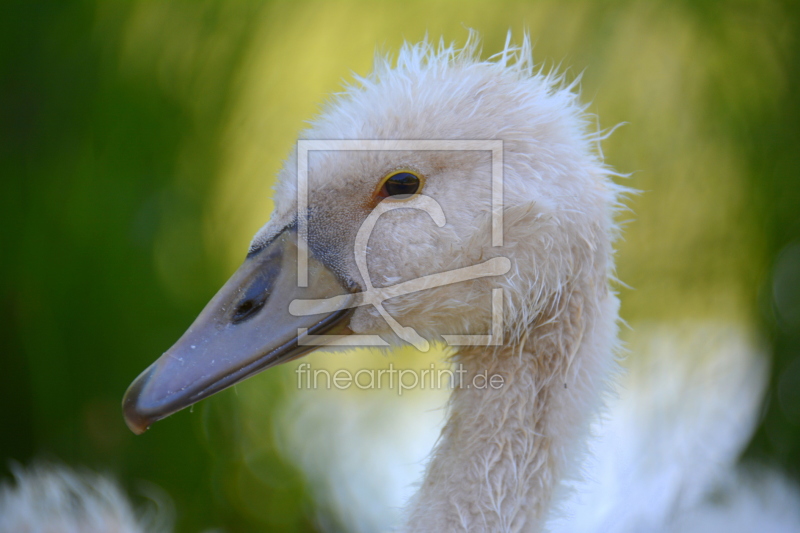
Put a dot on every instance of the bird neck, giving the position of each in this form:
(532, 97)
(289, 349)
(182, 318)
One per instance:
(505, 449)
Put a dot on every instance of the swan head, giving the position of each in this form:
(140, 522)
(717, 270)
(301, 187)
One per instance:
(385, 215)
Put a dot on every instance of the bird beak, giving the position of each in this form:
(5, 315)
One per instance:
(244, 329)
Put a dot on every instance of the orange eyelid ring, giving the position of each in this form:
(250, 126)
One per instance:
(404, 185)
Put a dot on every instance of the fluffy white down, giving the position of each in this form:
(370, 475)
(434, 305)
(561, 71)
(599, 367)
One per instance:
(56, 499)
(664, 457)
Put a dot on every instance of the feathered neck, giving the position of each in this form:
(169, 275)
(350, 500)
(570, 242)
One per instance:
(503, 452)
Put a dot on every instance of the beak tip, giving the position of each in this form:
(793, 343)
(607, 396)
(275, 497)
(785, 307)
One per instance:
(137, 426)
(135, 419)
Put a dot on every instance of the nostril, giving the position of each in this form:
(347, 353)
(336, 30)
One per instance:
(256, 291)
(247, 309)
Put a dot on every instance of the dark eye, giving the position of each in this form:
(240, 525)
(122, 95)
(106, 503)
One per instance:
(400, 185)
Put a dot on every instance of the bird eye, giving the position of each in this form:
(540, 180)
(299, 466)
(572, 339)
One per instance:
(400, 185)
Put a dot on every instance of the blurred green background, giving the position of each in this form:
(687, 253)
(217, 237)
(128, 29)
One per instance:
(139, 141)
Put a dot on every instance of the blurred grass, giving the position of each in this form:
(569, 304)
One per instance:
(139, 144)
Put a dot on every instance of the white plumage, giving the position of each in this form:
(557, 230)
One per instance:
(56, 499)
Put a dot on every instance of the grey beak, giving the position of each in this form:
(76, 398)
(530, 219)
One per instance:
(244, 329)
